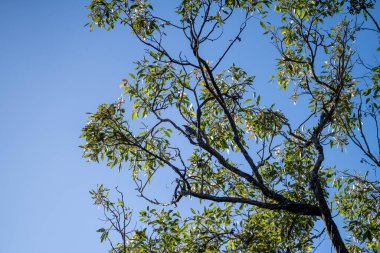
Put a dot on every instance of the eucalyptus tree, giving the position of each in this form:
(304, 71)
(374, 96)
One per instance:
(262, 175)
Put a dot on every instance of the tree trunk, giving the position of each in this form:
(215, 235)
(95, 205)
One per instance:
(331, 228)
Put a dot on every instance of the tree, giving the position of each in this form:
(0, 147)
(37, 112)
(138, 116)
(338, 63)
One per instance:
(262, 176)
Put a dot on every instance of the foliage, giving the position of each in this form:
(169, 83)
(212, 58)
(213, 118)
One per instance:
(358, 199)
(268, 169)
(212, 229)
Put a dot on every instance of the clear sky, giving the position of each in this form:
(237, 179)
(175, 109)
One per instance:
(52, 72)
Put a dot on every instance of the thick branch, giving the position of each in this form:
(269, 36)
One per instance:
(296, 208)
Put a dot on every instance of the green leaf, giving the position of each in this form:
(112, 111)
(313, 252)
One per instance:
(153, 54)
(263, 25)
(134, 115)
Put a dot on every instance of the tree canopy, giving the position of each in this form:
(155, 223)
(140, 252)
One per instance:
(262, 175)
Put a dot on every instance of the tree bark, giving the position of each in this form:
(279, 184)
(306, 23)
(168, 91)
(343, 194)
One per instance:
(331, 228)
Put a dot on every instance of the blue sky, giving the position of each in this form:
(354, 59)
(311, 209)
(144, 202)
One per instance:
(53, 71)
